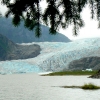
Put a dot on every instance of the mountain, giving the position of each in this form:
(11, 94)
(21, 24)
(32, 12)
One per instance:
(22, 35)
(6, 47)
(57, 56)
(12, 51)
(85, 63)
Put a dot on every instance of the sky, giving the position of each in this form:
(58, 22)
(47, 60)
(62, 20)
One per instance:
(90, 29)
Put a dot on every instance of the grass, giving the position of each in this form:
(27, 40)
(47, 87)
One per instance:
(89, 86)
(71, 73)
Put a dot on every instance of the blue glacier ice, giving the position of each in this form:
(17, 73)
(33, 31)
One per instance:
(9, 67)
(54, 56)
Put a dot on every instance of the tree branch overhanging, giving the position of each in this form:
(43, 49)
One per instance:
(30, 12)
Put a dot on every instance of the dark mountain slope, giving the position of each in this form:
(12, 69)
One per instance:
(22, 35)
(85, 63)
(11, 51)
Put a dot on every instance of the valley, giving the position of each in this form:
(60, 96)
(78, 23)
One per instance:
(54, 56)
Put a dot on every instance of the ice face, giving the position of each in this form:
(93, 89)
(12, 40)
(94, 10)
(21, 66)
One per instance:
(9, 67)
(55, 56)
(61, 54)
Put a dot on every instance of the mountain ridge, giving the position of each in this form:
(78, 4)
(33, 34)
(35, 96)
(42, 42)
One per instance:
(22, 35)
(12, 51)
(85, 63)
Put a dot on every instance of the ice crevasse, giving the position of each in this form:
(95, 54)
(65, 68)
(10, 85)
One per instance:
(54, 56)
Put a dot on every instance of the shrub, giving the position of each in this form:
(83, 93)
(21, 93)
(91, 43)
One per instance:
(90, 86)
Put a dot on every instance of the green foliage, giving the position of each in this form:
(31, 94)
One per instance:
(30, 24)
(21, 34)
(71, 73)
(38, 30)
(16, 20)
(90, 86)
(30, 12)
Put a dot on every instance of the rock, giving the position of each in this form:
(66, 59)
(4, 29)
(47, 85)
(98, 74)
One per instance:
(12, 51)
(97, 75)
(85, 63)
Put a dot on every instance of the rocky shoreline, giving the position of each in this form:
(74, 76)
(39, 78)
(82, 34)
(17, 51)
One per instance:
(97, 75)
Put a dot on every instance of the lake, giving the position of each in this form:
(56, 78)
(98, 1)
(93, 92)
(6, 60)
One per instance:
(32, 86)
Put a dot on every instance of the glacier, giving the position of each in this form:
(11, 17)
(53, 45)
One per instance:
(9, 67)
(54, 56)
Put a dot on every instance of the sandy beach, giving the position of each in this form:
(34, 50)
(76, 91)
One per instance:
(35, 87)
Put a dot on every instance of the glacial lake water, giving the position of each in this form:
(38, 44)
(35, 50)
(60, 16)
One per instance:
(35, 87)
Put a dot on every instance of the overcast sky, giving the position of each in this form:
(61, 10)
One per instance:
(88, 31)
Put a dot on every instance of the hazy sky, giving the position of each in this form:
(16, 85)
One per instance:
(88, 31)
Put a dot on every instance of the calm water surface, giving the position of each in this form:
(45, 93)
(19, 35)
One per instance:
(35, 87)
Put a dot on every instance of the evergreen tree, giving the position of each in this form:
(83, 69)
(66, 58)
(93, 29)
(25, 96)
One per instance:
(30, 12)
